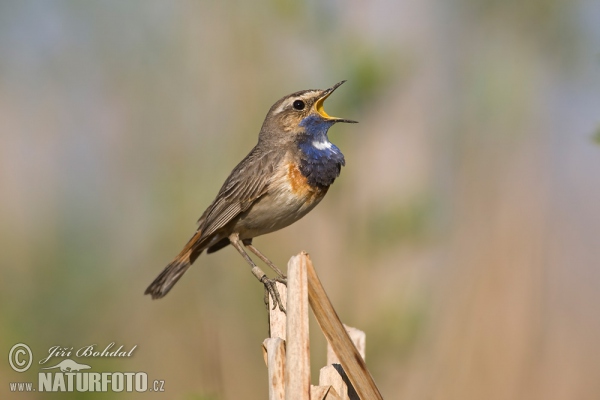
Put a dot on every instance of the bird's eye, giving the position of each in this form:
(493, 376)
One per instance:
(298, 105)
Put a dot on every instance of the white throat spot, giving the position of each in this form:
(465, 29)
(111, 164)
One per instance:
(322, 145)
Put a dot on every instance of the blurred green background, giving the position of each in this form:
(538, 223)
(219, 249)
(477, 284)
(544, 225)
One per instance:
(462, 235)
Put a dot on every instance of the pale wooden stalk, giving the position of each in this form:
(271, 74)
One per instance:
(336, 335)
(297, 371)
(274, 354)
(323, 393)
(318, 392)
(329, 376)
(359, 339)
(274, 347)
(277, 318)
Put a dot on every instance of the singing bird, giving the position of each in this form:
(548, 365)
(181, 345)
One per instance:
(283, 177)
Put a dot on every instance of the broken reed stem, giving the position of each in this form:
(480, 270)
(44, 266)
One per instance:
(288, 360)
(297, 371)
(274, 346)
(337, 337)
(274, 354)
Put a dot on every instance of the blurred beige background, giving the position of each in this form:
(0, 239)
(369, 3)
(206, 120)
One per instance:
(462, 236)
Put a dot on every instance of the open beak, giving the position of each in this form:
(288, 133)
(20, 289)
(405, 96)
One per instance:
(321, 111)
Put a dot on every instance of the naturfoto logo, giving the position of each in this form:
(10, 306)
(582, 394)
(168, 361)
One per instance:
(67, 376)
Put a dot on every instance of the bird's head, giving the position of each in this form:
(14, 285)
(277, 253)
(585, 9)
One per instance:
(298, 115)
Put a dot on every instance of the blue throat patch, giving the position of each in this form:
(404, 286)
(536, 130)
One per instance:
(321, 161)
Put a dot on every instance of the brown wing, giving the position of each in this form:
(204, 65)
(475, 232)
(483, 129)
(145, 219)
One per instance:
(246, 183)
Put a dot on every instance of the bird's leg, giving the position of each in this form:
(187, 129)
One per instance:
(281, 278)
(258, 273)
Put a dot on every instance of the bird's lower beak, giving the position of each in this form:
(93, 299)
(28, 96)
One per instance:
(321, 111)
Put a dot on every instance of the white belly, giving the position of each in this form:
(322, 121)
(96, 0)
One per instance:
(286, 202)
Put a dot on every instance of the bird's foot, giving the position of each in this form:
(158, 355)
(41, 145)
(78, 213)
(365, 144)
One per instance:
(271, 289)
(281, 279)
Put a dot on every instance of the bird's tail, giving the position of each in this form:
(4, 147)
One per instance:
(175, 270)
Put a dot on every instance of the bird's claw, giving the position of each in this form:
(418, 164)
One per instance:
(282, 279)
(271, 289)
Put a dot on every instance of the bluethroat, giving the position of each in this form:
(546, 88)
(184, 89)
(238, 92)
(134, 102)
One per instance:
(283, 177)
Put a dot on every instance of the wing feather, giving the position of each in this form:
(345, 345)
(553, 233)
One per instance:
(248, 181)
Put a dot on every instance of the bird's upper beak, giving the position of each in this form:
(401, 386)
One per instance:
(321, 111)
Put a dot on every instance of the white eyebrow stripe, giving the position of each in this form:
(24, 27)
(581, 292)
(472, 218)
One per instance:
(306, 96)
(282, 106)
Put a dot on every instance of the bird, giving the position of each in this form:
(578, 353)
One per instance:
(285, 175)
